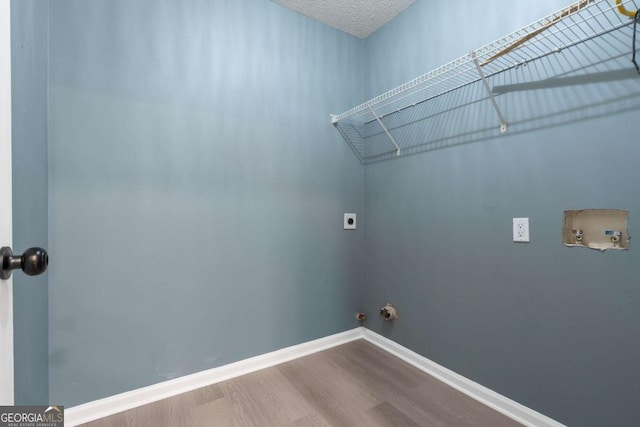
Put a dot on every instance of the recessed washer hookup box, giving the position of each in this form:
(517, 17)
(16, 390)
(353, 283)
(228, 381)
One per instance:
(599, 229)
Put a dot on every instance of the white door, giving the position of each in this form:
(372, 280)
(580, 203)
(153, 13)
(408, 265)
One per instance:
(6, 296)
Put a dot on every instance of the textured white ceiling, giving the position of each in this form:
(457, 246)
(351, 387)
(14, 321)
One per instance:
(356, 17)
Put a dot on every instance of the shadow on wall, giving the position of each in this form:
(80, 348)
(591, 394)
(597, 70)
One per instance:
(554, 91)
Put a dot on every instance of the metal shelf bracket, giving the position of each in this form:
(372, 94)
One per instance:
(385, 131)
(503, 122)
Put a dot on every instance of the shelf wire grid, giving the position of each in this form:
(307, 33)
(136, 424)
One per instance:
(581, 22)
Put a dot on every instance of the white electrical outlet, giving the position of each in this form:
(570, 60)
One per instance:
(349, 221)
(521, 229)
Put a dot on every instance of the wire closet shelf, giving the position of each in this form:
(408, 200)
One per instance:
(580, 22)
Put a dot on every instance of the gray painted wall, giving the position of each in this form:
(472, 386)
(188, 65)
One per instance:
(551, 327)
(196, 188)
(29, 120)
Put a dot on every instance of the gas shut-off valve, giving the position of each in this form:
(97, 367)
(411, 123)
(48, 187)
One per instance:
(389, 312)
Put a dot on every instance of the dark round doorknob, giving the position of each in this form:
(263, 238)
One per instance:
(33, 261)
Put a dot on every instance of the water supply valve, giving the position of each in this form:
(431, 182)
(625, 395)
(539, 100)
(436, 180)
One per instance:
(614, 235)
(578, 235)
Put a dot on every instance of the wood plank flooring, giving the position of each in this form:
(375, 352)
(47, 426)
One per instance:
(355, 384)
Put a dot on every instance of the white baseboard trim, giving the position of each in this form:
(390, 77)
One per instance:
(97, 409)
(500, 403)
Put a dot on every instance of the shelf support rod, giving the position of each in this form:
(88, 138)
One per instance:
(503, 122)
(385, 130)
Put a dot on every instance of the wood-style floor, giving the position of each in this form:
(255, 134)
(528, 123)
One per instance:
(355, 384)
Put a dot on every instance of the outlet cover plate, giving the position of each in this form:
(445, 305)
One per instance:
(349, 221)
(521, 230)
